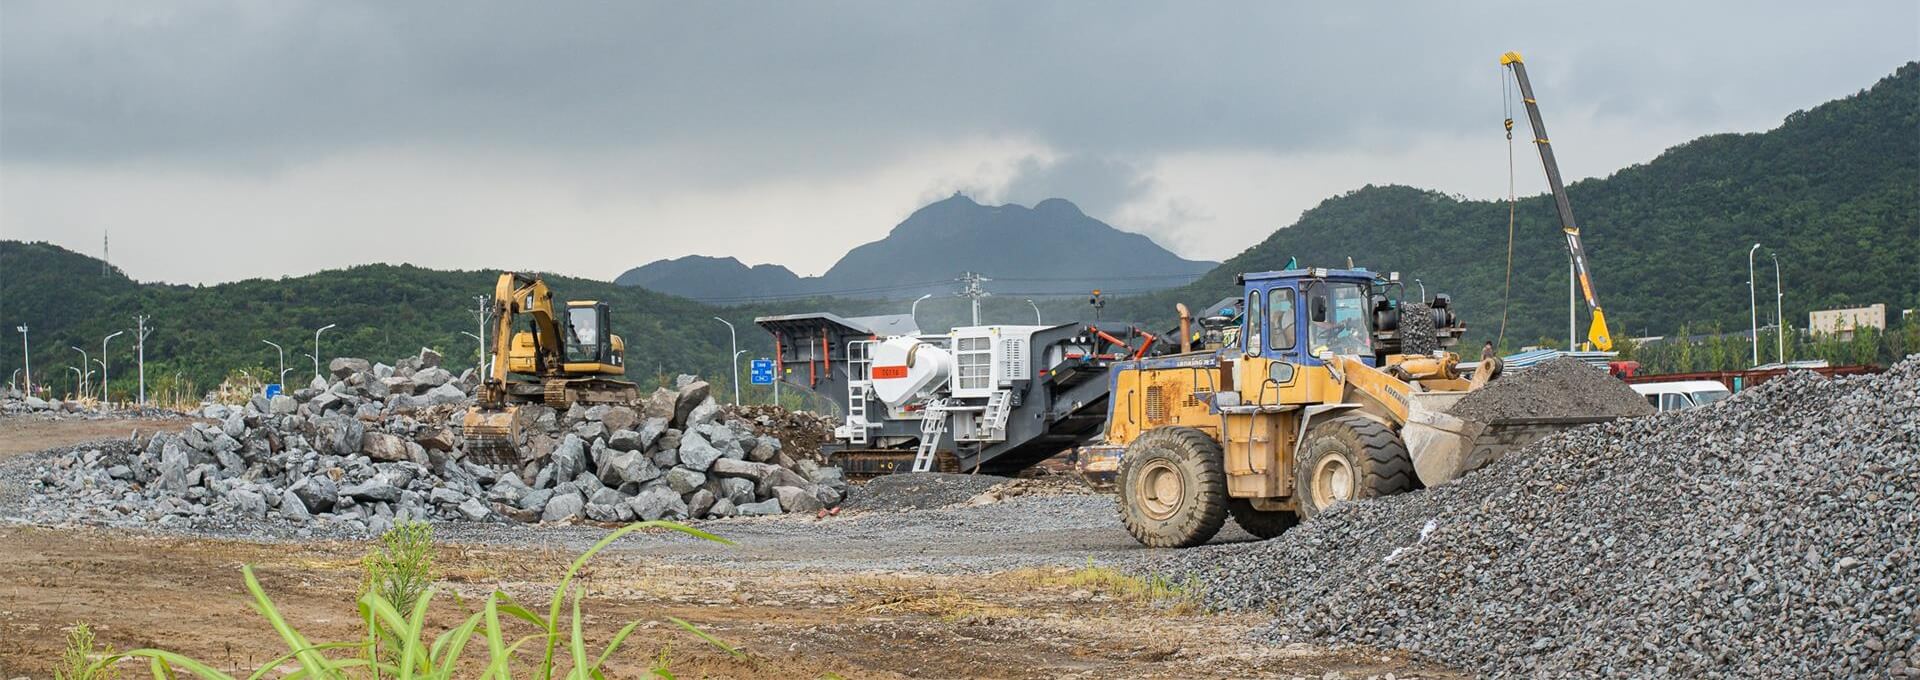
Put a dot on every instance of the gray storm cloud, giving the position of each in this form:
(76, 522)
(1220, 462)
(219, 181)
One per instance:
(646, 121)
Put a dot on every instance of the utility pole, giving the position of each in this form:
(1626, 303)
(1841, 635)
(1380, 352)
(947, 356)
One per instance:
(140, 322)
(736, 359)
(86, 363)
(1753, 305)
(26, 354)
(103, 365)
(973, 292)
(1779, 317)
(316, 349)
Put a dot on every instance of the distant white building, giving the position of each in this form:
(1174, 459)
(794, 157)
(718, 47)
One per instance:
(1842, 322)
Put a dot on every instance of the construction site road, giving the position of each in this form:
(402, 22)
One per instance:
(1027, 587)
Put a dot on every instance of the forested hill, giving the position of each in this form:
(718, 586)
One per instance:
(383, 312)
(1834, 190)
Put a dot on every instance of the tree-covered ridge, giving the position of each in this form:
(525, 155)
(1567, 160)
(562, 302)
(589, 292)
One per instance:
(1834, 190)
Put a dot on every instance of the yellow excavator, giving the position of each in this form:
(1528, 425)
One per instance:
(558, 360)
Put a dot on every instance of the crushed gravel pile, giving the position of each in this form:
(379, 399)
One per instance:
(918, 491)
(1416, 329)
(1770, 535)
(1561, 388)
(1038, 486)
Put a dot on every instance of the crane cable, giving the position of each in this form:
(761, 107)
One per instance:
(1506, 297)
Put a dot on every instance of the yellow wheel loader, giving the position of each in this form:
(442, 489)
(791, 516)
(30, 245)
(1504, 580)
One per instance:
(558, 360)
(1302, 401)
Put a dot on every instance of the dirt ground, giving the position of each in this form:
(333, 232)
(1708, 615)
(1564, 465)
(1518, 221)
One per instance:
(801, 599)
(26, 434)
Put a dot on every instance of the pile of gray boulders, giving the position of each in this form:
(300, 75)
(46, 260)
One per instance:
(379, 443)
(15, 403)
(1769, 535)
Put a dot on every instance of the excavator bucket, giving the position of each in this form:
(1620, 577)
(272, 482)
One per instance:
(495, 436)
(1445, 447)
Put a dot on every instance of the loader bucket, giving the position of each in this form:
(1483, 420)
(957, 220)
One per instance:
(495, 436)
(1445, 447)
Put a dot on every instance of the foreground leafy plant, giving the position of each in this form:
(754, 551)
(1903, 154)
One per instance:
(76, 660)
(412, 655)
(400, 569)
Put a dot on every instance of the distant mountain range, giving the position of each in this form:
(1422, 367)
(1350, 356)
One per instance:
(1051, 248)
(1834, 191)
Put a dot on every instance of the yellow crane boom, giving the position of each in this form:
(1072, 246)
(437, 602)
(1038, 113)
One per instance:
(1597, 332)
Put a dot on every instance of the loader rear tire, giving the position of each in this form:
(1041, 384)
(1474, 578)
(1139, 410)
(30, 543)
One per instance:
(1173, 488)
(1262, 523)
(1349, 458)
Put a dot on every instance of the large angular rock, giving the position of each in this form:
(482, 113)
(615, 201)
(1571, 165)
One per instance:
(761, 452)
(658, 405)
(377, 489)
(797, 499)
(570, 458)
(431, 377)
(740, 491)
(658, 502)
(436, 439)
(339, 435)
(384, 447)
(563, 506)
(722, 508)
(702, 414)
(282, 404)
(591, 431)
(292, 507)
(700, 503)
(445, 394)
(248, 502)
(427, 359)
(769, 506)
(473, 510)
(318, 493)
(235, 425)
(625, 440)
(696, 453)
(620, 418)
(684, 481)
(687, 399)
(728, 467)
(626, 466)
(344, 367)
(650, 431)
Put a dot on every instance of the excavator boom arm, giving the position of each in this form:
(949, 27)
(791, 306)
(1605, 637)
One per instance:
(1597, 333)
(514, 294)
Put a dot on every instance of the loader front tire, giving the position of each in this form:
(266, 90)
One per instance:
(1173, 488)
(1349, 458)
(1262, 523)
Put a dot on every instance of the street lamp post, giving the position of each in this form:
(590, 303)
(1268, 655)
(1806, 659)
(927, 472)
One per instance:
(1779, 320)
(914, 311)
(316, 349)
(1423, 291)
(1036, 312)
(86, 362)
(1753, 305)
(28, 355)
(736, 359)
(76, 379)
(103, 365)
(283, 362)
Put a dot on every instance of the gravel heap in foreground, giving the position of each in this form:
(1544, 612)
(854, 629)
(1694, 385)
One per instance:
(1770, 535)
(379, 444)
(1561, 388)
(918, 490)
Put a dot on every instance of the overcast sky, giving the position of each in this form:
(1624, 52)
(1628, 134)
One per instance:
(226, 140)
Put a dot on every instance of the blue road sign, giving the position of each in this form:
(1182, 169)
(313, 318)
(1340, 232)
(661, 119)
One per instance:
(273, 390)
(760, 372)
